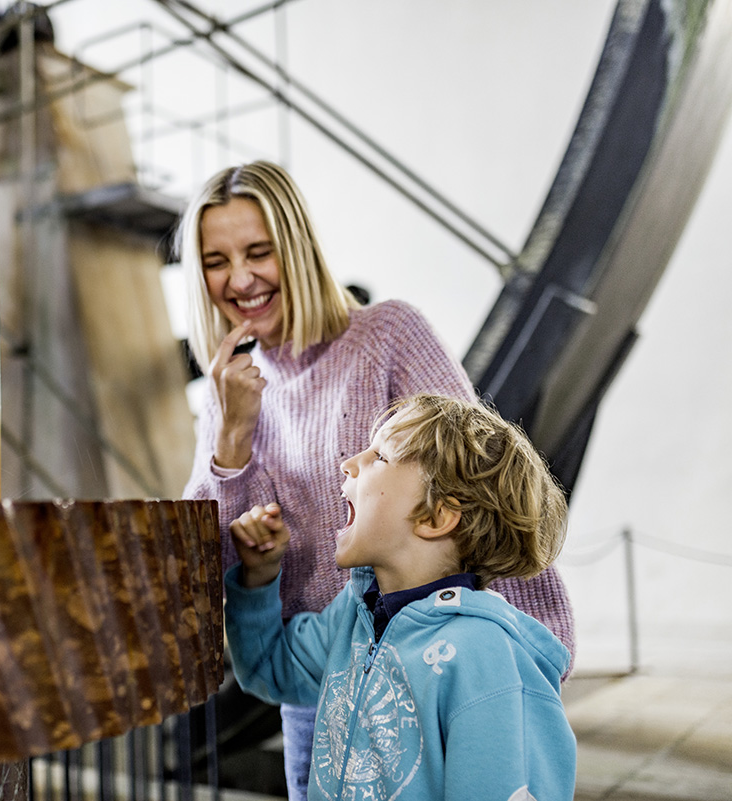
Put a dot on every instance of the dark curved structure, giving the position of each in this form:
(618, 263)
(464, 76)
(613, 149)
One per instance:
(565, 320)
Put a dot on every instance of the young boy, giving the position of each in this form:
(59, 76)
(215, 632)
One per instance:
(427, 687)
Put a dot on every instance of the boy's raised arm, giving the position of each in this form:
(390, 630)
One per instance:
(260, 537)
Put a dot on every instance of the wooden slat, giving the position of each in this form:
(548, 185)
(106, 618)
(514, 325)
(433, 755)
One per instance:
(137, 370)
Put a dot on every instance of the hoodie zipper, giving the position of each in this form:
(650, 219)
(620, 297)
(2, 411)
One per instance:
(370, 656)
(367, 664)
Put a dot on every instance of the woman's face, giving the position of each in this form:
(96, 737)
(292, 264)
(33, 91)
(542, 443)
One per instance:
(240, 268)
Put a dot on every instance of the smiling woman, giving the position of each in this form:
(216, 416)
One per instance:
(278, 421)
(240, 268)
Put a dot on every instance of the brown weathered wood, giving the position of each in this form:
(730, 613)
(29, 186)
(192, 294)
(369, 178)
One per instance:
(108, 619)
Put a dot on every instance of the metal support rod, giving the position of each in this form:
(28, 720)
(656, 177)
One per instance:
(632, 600)
(297, 108)
(283, 82)
(27, 87)
(183, 768)
(212, 760)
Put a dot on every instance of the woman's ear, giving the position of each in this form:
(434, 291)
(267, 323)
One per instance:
(443, 521)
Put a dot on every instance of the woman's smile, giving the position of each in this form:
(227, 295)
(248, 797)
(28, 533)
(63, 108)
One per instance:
(256, 304)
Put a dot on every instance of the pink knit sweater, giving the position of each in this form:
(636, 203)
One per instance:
(318, 409)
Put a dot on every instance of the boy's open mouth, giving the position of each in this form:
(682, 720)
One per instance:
(351, 513)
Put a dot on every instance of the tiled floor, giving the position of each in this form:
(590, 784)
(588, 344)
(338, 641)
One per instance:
(652, 738)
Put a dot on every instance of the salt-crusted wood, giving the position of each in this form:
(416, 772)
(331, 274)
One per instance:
(110, 618)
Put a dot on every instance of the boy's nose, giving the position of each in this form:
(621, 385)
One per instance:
(349, 467)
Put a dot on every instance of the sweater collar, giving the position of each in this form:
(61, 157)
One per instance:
(281, 359)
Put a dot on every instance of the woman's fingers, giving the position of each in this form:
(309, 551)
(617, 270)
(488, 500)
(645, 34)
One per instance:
(242, 373)
(231, 340)
(238, 386)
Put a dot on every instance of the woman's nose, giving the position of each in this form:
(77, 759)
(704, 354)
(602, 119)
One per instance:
(241, 276)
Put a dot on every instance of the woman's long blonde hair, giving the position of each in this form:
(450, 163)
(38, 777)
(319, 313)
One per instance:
(315, 306)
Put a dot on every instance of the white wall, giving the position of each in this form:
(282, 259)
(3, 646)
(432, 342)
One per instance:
(480, 97)
(659, 462)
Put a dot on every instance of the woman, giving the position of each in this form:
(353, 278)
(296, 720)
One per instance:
(279, 420)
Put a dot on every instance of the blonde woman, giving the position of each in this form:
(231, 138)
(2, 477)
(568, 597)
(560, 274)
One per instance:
(279, 419)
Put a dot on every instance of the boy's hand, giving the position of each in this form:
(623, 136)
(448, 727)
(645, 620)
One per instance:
(260, 537)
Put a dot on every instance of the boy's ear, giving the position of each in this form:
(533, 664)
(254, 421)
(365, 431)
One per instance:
(443, 521)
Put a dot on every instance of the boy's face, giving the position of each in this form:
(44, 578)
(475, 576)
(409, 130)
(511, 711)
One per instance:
(381, 493)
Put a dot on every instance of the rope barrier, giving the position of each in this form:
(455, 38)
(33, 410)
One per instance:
(683, 551)
(594, 554)
(600, 549)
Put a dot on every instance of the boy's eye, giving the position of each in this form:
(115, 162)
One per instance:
(379, 457)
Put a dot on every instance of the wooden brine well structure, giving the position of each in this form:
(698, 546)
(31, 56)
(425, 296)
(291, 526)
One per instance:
(110, 608)
(110, 618)
(94, 382)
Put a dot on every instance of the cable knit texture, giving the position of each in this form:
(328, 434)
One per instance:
(318, 409)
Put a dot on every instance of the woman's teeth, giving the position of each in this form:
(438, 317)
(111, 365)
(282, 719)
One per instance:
(254, 303)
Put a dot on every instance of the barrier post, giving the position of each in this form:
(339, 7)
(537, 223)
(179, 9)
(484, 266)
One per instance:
(632, 600)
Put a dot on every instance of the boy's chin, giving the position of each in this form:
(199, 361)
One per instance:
(344, 563)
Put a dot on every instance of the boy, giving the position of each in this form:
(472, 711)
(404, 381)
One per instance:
(427, 688)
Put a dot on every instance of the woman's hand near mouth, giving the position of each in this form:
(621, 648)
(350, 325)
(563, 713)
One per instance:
(238, 386)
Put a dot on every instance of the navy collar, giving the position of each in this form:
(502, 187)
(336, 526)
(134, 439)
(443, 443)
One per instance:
(384, 607)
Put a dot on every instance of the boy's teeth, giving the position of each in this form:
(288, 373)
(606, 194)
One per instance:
(351, 510)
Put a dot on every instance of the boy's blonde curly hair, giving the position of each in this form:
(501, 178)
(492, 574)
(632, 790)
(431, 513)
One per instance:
(513, 512)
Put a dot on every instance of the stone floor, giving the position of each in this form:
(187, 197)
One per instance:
(645, 737)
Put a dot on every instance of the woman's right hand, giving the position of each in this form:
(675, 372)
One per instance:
(238, 386)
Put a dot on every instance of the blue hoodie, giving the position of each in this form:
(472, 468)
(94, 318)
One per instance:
(458, 700)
